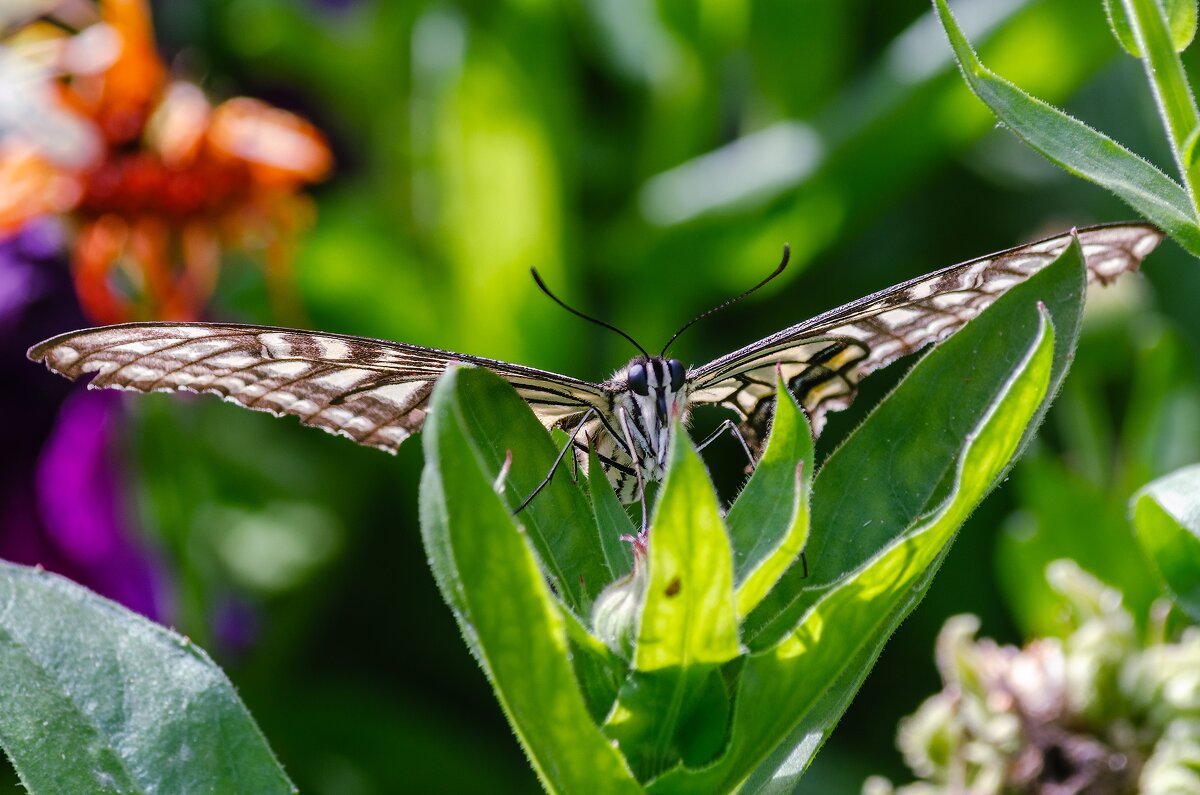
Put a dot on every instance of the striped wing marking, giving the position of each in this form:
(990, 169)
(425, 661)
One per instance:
(824, 359)
(372, 391)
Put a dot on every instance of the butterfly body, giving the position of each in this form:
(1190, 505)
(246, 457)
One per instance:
(642, 400)
(376, 391)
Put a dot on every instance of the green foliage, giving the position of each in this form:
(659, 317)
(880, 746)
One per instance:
(98, 699)
(1180, 18)
(1086, 153)
(1066, 516)
(475, 140)
(898, 462)
(495, 587)
(1129, 413)
(769, 523)
(700, 707)
(1166, 514)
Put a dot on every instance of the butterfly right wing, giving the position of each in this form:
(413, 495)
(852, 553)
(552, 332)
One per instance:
(372, 391)
(822, 360)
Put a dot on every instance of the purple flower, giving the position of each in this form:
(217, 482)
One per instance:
(78, 487)
(60, 482)
(235, 623)
(23, 257)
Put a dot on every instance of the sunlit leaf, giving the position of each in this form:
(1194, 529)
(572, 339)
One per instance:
(779, 685)
(1164, 70)
(674, 706)
(769, 521)
(895, 466)
(501, 423)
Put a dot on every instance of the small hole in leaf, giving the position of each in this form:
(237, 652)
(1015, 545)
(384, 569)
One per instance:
(673, 587)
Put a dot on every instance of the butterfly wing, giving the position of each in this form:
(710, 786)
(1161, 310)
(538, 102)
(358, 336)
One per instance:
(822, 360)
(372, 391)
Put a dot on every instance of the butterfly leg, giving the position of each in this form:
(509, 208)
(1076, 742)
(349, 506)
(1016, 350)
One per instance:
(637, 471)
(550, 475)
(586, 449)
(731, 426)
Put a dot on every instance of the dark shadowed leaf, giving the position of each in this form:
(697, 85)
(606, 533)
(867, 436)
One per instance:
(99, 699)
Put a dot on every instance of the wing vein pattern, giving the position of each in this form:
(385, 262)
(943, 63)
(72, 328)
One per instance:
(823, 359)
(372, 391)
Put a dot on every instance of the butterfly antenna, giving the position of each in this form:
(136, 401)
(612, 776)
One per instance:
(576, 312)
(787, 252)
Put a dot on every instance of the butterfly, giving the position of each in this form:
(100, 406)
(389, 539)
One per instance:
(376, 392)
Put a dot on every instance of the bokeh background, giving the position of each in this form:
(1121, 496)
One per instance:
(650, 159)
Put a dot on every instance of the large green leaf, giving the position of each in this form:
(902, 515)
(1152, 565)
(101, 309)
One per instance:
(1166, 514)
(1076, 147)
(98, 699)
(691, 572)
(897, 464)
(489, 576)
(674, 705)
(500, 422)
(838, 638)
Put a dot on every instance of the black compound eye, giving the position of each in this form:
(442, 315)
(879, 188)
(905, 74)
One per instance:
(637, 379)
(678, 375)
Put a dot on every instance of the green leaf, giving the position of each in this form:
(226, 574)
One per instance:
(1166, 515)
(763, 578)
(99, 699)
(769, 521)
(896, 465)
(1181, 20)
(675, 706)
(598, 669)
(688, 616)
(499, 422)
(612, 522)
(780, 687)
(1188, 157)
(1076, 147)
(490, 578)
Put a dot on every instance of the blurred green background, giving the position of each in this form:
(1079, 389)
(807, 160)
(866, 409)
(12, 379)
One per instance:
(650, 159)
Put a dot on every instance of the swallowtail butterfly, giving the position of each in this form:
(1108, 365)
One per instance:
(375, 391)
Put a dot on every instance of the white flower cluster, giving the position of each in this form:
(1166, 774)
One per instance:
(1105, 709)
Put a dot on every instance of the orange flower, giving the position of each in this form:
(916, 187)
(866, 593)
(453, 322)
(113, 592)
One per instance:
(160, 181)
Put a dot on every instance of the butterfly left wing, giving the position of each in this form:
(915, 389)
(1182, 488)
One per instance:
(372, 391)
(824, 359)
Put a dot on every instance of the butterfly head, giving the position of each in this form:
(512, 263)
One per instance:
(657, 393)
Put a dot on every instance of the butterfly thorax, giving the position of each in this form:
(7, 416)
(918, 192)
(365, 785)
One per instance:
(644, 397)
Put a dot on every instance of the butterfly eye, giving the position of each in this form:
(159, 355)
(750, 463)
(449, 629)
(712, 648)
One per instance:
(677, 374)
(637, 379)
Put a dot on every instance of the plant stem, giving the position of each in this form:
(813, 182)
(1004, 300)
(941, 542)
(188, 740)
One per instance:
(1174, 96)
